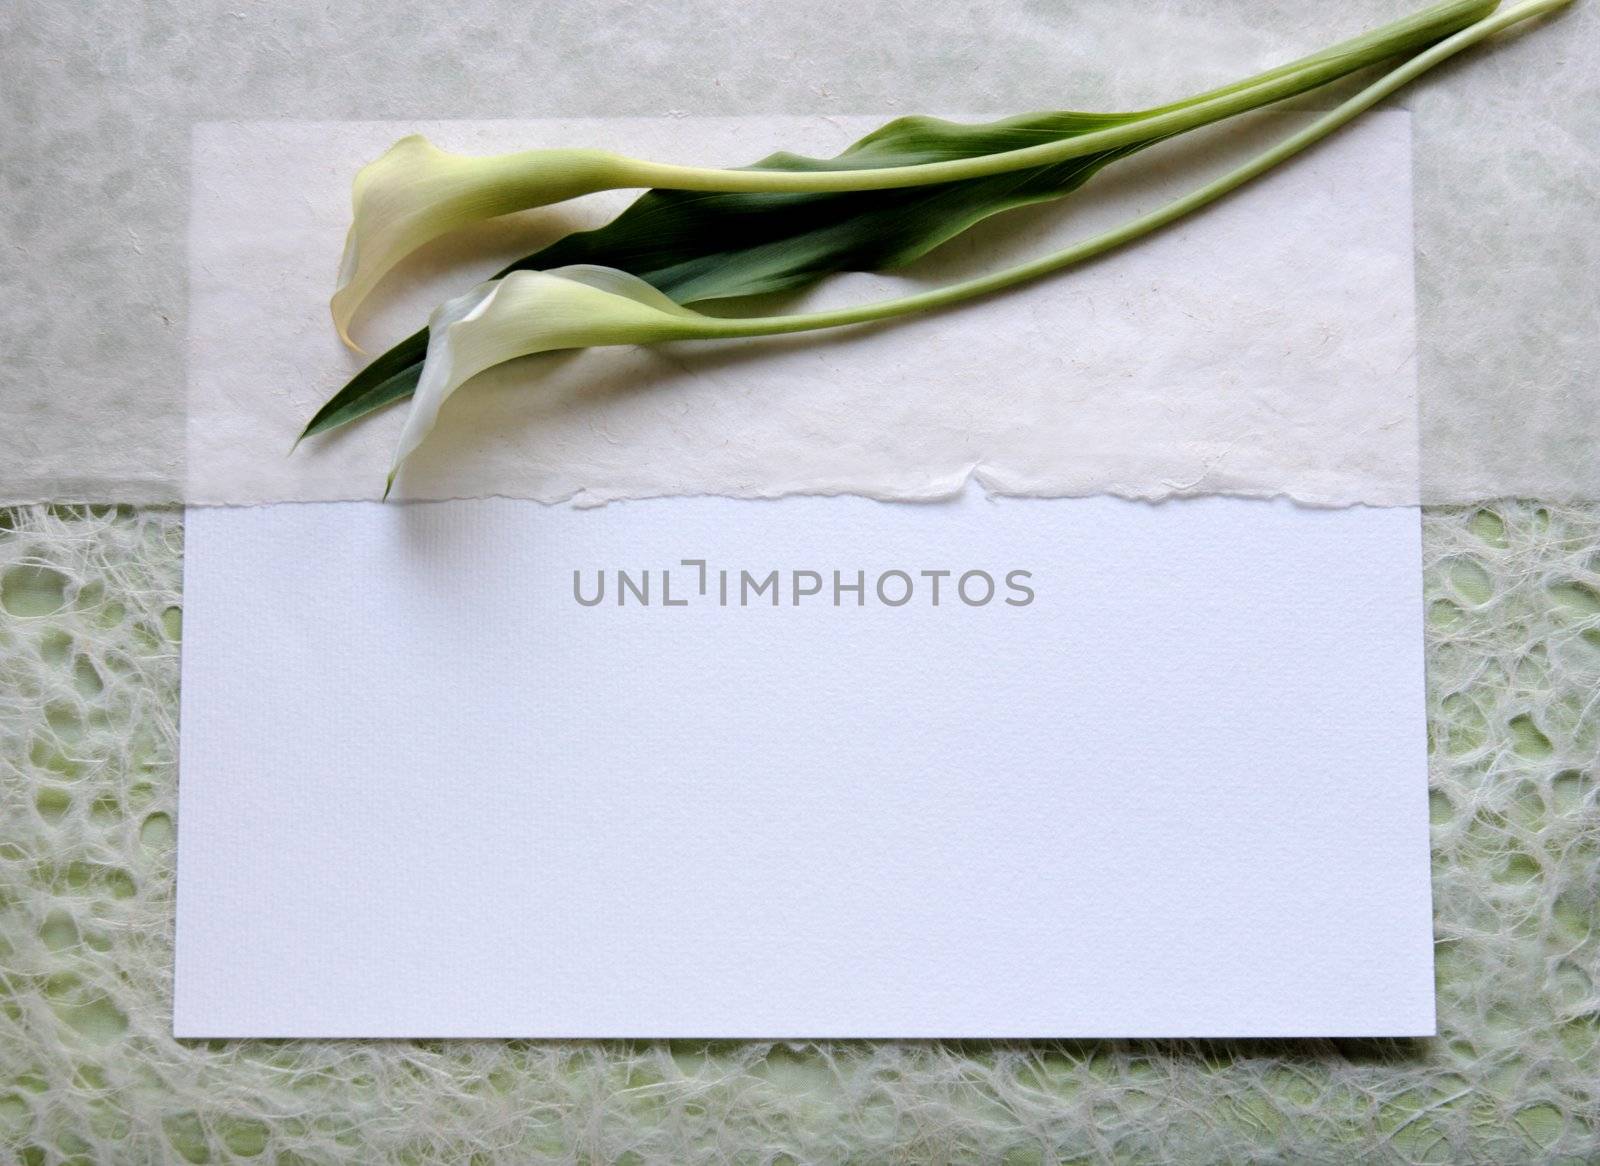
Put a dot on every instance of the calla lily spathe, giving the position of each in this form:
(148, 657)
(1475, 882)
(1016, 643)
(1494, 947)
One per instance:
(528, 312)
(417, 192)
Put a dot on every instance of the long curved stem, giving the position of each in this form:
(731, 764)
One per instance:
(1145, 224)
(1263, 89)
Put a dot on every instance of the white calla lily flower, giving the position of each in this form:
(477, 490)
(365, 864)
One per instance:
(528, 312)
(417, 192)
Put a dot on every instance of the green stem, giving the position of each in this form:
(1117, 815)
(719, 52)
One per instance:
(1411, 32)
(1263, 89)
(1144, 224)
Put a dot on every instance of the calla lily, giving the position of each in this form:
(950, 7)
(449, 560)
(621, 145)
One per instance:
(417, 192)
(526, 312)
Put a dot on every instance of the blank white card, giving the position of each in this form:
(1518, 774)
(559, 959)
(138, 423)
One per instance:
(811, 767)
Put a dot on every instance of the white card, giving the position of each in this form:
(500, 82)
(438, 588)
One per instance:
(1180, 791)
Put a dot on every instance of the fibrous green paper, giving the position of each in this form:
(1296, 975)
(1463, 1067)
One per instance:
(89, 630)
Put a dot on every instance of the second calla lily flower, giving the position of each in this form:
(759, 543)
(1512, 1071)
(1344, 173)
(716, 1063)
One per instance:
(537, 311)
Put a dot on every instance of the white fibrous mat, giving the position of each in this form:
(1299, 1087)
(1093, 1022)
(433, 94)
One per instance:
(95, 140)
(89, 631)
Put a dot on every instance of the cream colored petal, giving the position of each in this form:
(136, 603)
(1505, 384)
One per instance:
(536, 311)
(417, 192)
(623, 283)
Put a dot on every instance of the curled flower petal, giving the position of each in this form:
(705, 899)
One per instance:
(528, 312)
(417, 192)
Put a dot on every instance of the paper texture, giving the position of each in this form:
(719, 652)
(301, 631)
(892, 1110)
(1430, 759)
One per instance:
(1181, 791)
(100, 99)
(1264, 347)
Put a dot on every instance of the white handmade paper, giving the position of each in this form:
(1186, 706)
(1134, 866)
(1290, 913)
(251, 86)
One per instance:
(1170, 782)
(1263, 347)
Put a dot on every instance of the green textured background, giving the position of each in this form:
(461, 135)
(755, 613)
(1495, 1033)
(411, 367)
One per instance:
(90, 622)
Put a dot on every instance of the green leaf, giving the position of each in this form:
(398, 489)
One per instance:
(697, 247)
(391, 377)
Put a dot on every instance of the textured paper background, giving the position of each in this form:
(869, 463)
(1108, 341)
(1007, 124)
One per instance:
(89, 660)
(819, 820)
(1265, 347)
(97, 101)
